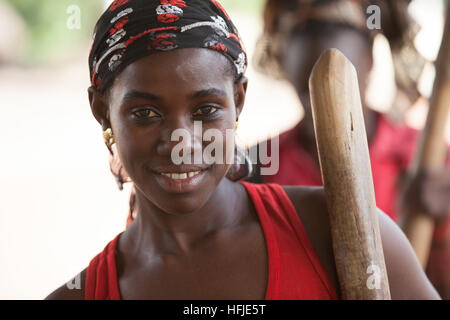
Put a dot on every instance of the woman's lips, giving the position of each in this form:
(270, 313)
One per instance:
(180, 182)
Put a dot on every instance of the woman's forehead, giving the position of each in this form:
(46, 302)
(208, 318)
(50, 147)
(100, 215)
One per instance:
(182, 69)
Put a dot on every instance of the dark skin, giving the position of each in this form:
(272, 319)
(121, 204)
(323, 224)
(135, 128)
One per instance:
(428, 192)
(298, 64)
(207, 244)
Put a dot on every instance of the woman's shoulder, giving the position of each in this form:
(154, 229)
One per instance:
(72, 290)
(311, 207)
(308, 202)
(407, 279)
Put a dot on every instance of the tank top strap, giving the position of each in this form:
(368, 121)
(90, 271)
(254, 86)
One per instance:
(266, 208)
(101, 277)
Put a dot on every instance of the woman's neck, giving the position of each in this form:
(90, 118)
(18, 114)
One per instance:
(157, 231)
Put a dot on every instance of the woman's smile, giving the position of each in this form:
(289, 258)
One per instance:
(181, 182)
(180, 178)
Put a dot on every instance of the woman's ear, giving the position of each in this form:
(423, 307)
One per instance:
(99, 107)
(240, 91)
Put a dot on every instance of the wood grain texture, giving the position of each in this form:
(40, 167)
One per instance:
(346, 172)
(432, 148)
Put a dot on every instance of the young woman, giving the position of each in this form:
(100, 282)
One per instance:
(159, 66)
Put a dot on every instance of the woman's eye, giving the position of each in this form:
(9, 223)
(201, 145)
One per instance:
(145, 113)
(204, 111)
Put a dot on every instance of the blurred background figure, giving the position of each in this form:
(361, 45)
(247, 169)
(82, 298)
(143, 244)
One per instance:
(57, 209)
(296, 32)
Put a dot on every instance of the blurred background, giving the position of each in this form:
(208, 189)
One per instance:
(59, 204)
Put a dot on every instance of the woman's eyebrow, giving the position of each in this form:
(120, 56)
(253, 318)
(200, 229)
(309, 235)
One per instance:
(133, 94)
(209, 92)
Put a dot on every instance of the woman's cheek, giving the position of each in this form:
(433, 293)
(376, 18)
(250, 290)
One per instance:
(132, 150)
(218, 143)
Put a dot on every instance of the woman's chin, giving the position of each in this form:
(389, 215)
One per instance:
(182, 205)
(180, 195)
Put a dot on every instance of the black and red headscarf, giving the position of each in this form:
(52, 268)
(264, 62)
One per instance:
(131, 29)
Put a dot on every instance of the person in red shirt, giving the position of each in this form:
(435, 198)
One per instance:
(197, 233)
(296, 32)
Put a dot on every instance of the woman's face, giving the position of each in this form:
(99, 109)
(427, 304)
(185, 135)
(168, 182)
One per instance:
(304, 50)
(163, 92)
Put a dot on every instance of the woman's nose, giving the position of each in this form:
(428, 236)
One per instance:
(183, 135)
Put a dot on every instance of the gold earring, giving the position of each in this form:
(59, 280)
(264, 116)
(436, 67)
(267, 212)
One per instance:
(109, 138)
(236, 126)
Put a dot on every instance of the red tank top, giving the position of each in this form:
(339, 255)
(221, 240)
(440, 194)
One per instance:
(295, 271)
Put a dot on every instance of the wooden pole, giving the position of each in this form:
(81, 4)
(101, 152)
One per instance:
(432, 148)
(345, 166)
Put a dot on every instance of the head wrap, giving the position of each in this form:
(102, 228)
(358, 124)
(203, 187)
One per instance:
(283, 17)
(131, 29)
